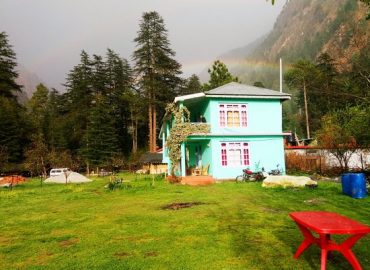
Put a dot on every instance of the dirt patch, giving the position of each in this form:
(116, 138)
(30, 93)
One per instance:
(69, 242)
(5, 240)
(180, 205)
(121, 254)
(151, 254)
(44, 257)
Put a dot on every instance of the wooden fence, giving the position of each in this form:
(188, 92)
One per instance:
(322, 161)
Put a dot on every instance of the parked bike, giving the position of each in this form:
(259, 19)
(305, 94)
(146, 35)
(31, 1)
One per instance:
(277, 171)
(249, 176)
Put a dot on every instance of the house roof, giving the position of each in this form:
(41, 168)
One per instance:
(234, 89)
(191, 96)
(151, 158)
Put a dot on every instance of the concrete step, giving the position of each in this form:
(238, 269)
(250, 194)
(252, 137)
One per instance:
(197, 180)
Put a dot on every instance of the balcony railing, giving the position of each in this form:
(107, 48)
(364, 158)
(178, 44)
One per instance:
(200, 128)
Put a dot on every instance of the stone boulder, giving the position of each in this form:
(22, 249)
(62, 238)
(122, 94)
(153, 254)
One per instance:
(287, 181)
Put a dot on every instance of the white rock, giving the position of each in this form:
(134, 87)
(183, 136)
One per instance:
(287, 181)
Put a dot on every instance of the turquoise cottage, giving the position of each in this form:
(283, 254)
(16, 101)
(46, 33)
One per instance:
(245, 131)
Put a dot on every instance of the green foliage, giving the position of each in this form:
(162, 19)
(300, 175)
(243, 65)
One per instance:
(8, 86)
(98, 114)
(327, 89)
(192, 85)
(219, 75)
(13, 120)
(342, 132)
(38, 110)
(180, 130)
(37, 156)
(115, 183)
(13, 129)
(120, 84)
(156, 68)
(302, 77)
(100, 142)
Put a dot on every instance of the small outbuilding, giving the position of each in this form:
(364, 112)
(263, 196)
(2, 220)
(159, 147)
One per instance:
(152, 163)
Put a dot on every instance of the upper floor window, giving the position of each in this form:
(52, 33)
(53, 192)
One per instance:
(233, 115)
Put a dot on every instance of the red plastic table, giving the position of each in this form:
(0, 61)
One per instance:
(326, 224)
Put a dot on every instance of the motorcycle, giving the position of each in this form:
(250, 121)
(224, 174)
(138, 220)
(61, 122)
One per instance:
(277, 171)
(250, 176)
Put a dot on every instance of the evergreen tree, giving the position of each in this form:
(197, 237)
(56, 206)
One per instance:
(99, 76)
(119, 82)
(192, 85)
(80, 95)
(100, 141)
(13, 124)
(38, 110)
(357, 80)
(325, 89)
(13, 129)
(219, 75)
(136, 108)
(302, 77)
(8, 86)
(57, 136)
(157, 69)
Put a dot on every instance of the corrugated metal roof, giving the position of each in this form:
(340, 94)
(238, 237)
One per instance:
(237, 89)
(151, 158)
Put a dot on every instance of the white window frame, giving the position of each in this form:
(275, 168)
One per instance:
(241, 109)
(230, 159)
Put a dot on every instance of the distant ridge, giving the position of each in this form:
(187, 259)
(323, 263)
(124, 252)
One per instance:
(304, 29)
(29, 81)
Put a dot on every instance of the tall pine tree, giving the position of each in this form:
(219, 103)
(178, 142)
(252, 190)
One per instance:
(219, 75)
(8, 74)
(156, 69)
(80, 95)
(12, 114)
(119, 82)
(100, 141)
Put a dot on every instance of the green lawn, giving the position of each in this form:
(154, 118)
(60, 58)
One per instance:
(238, 226)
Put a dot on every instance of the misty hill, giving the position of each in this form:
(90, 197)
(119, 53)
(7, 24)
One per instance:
(304, 29)
(29, 81)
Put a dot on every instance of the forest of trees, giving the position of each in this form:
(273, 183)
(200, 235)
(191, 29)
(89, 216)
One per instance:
(111, 111)
(107, 116)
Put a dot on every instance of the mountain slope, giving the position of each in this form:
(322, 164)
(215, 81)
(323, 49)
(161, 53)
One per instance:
(29, 81)
(304, 29)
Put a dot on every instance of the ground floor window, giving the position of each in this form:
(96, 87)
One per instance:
(234, 154)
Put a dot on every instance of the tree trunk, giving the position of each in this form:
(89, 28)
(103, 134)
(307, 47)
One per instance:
(134, 132)
(150, 125)
(154, 127)
(88, 168)
(135, 136)
(306, 110)
(43, 167)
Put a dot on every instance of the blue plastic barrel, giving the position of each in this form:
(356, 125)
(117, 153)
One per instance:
(357, 185)
(346, 183)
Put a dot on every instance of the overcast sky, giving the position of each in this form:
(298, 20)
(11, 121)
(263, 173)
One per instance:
(48, 35)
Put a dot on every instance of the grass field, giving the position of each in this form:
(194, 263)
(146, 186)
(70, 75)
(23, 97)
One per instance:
(236, 226)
